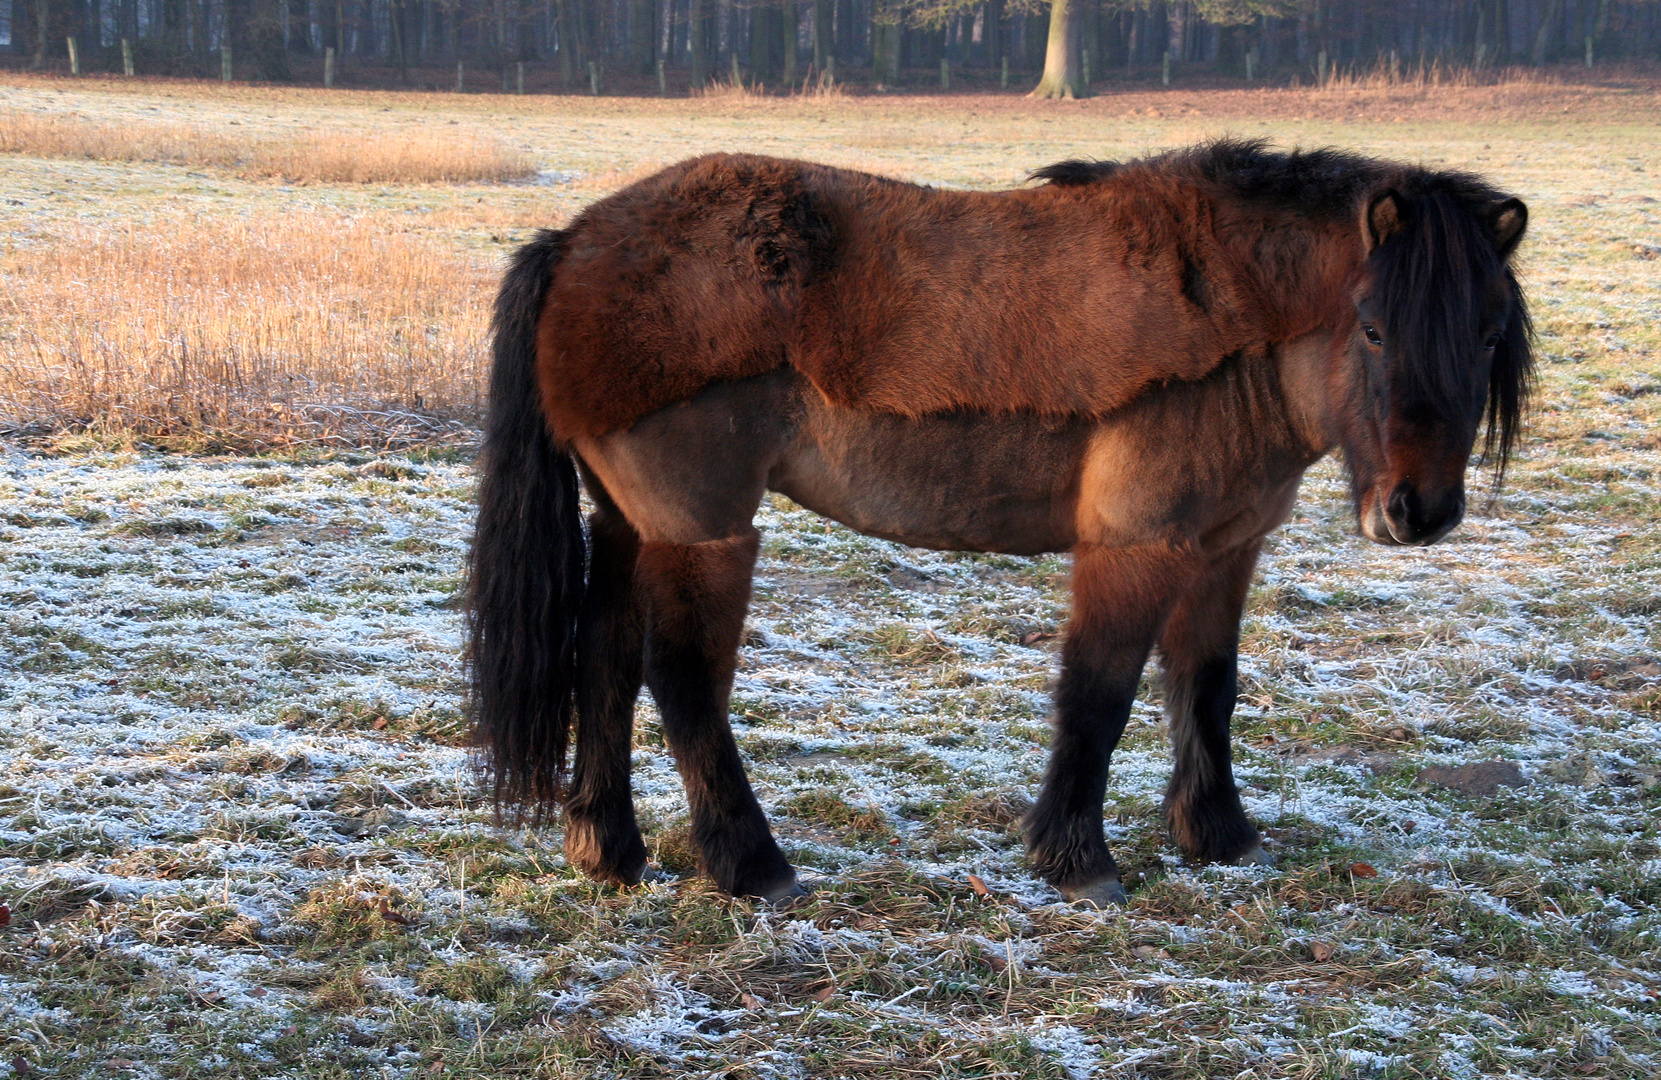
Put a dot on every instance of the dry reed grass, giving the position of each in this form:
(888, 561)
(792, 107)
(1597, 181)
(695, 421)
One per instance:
(821, 85)
(247, 333)
(1392, 73)
(728, 90)
(314, 157)
(815, 84)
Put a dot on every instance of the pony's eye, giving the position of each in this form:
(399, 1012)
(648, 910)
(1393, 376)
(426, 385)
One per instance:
(1493, 341)
(1372, 334)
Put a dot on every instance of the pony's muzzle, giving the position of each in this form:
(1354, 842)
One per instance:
(1410, 516)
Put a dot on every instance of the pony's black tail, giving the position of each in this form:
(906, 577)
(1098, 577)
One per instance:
(528, 563)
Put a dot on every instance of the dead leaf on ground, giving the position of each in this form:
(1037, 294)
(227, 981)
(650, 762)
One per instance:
(824, 994)
(751, 1002)
(1362, 870)
(979, 886)
(391, 916)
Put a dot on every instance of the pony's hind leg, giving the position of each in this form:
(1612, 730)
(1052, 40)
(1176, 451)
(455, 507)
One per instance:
(602, 838)
(696, 595)
(689, 480)
(1199, 648)
(1120, 600)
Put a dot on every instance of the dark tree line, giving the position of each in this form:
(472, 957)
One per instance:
(591, 44)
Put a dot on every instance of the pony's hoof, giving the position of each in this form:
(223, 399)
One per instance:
(1104, 894)
(1255, 857)
(622, 863)
(651, 875)
(789, 896)
(621, 879)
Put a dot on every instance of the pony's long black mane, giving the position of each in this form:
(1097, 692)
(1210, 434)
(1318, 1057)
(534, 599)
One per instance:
(1322, 182)
(1431, 284)
(1432, 280)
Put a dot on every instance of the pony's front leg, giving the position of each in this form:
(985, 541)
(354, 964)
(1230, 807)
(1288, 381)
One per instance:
(1199, 648)
(696, 595)
(1120, 600)
(602, 838)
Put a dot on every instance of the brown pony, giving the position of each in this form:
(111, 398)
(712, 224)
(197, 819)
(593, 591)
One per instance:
(1131, 362)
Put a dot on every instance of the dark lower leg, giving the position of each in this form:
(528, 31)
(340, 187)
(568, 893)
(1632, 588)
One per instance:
(601, 836)
(696, 596)
(1064, 830)
(1118, 605)
(1202, 804)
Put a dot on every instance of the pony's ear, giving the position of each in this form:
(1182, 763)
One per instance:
(1386, 215)
(1508, 218)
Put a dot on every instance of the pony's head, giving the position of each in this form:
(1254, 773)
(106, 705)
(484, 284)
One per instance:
(1440, 342)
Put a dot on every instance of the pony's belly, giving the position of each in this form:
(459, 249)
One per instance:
(956, 482)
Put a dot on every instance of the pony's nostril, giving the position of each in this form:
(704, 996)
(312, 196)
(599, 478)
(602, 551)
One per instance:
(1405, 507)
(1413, 517)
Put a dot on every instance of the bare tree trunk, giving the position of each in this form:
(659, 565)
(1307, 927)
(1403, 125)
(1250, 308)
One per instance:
(643, 35)
(297, 35)
(821, 33)
(329, 16)
(765, 42)
(1063, 76)
(270, 51)
(1542, 37)
(395, 20)
(565, 18)
(997, 40)
(700, 45)
(43, 33)
(1600, 26)
(791, 29)
(885, 42)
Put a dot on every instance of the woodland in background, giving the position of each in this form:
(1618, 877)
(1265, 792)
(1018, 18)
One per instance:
(654, 46)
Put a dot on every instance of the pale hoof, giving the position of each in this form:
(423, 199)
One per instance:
(1255, 857)
(1104, 894)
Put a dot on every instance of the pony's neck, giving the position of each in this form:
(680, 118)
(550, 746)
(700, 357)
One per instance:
(1314, 385)
(1303, 272)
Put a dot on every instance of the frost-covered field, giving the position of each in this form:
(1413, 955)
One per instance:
(240, 835)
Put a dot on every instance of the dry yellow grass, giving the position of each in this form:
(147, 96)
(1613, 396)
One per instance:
(416, 157)
(315, 157)
(1389, 74)
(297, 325)
(263, 332)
